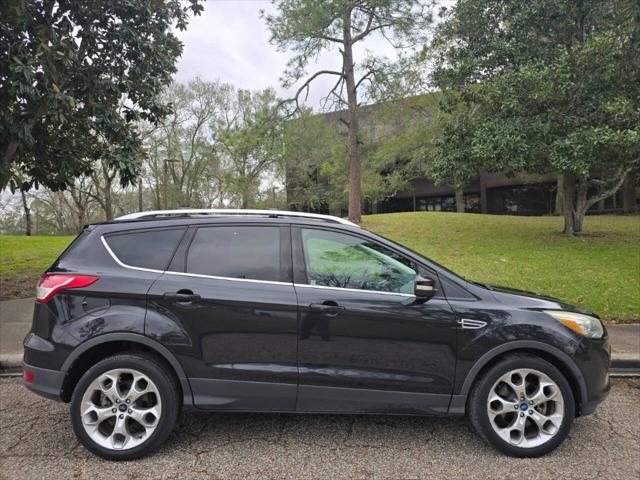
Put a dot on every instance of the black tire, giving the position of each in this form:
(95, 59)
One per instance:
(169, 395)
(477, 404)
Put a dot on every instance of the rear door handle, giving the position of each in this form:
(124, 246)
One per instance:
(182, 296)
(329, 308)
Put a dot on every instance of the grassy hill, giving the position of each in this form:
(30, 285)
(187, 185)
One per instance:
(600, 270)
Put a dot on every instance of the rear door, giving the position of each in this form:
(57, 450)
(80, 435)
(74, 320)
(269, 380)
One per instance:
(227, 308)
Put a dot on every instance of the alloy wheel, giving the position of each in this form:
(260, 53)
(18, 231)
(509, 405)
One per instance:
(121, 409)
(525, 408)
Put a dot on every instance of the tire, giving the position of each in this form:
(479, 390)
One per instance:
(529, 430)
(125, 406)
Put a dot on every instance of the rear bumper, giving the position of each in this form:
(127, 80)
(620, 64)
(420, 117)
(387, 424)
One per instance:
(44, 382)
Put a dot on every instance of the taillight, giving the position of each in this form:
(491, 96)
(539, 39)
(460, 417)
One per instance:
(51, 283)
(28, 375)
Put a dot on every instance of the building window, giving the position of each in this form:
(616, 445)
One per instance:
(534, 199)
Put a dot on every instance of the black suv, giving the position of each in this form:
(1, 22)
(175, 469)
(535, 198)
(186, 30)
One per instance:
(288, 312)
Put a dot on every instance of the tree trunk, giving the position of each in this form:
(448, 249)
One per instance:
(8, 155)
(27, 213)
(460, 200)
(629, 194)
(140, 203)
(106, 192)
(355, 207)
(568, 203)
(559, 201)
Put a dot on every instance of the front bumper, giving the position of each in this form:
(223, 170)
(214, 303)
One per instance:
(593, 357)
(42, 381)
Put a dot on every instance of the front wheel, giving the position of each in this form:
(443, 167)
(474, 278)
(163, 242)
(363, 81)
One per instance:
(523, 406)
(124, 407)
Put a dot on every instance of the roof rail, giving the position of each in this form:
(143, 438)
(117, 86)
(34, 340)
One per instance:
(183, 212)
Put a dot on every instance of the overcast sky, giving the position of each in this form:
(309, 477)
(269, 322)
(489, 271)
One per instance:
(230, 42)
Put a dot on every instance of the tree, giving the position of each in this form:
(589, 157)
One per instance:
(308, 27)
(181, 156)
(547, 86)
(65, 69)
(249, 140)
(315, 164)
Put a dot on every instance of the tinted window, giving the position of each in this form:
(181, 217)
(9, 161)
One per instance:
(237, 252)
(345, 261)
(151, 249)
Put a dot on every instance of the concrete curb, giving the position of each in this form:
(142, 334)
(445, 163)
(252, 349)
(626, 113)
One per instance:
(625, 361)
(10, 361)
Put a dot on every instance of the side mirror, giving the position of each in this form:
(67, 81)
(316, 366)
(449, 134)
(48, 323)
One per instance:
(424, 288)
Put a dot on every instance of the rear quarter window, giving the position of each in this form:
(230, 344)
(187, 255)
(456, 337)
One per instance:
(147, 249)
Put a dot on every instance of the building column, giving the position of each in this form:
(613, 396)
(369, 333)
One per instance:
(629, 193)
(483, 195)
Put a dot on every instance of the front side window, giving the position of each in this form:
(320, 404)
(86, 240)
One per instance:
(236, 252)
(345, 261)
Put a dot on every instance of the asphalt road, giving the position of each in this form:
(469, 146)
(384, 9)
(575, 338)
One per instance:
(36, 441)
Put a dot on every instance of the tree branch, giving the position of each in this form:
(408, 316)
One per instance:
(622, 175)
(364, 77)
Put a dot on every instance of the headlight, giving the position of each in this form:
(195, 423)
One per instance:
(585, 325)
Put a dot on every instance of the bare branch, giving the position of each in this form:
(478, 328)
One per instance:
(364, 77)
(621, 176)
(305, 86)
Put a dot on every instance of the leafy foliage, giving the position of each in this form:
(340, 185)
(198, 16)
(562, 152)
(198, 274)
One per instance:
(74, 79)
(543, 86)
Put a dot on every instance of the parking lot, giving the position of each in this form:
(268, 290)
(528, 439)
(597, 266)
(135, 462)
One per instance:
(36, 441)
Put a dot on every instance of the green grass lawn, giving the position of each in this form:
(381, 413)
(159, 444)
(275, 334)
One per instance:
(600, 271)
(22, 261)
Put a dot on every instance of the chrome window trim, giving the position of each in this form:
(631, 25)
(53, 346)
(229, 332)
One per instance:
(249, 280)
(233, 279)
(185, 274)
(358, 290)
(121, 263)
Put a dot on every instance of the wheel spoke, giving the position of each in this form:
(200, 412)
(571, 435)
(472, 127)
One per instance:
(139, 387)
(147, 417)
(516, 432)
(499, 405)
(120, 435)
(109, 385)
(515, 381)
(547, 424)
(546, 391)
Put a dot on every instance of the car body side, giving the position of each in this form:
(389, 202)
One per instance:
(122, 311)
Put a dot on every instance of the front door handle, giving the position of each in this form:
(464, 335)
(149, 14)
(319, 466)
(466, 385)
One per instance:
(182, 296)
(329, 308)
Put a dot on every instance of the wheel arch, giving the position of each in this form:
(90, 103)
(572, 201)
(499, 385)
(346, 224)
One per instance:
(97, 348)
(553, 355)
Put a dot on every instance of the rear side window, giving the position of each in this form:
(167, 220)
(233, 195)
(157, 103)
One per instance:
(150, 249)
(236, 252)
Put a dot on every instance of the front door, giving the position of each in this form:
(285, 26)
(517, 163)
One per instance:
(227, 309)
(365, 343)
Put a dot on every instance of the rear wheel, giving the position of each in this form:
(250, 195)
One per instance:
(125, 406)
(523, 406)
